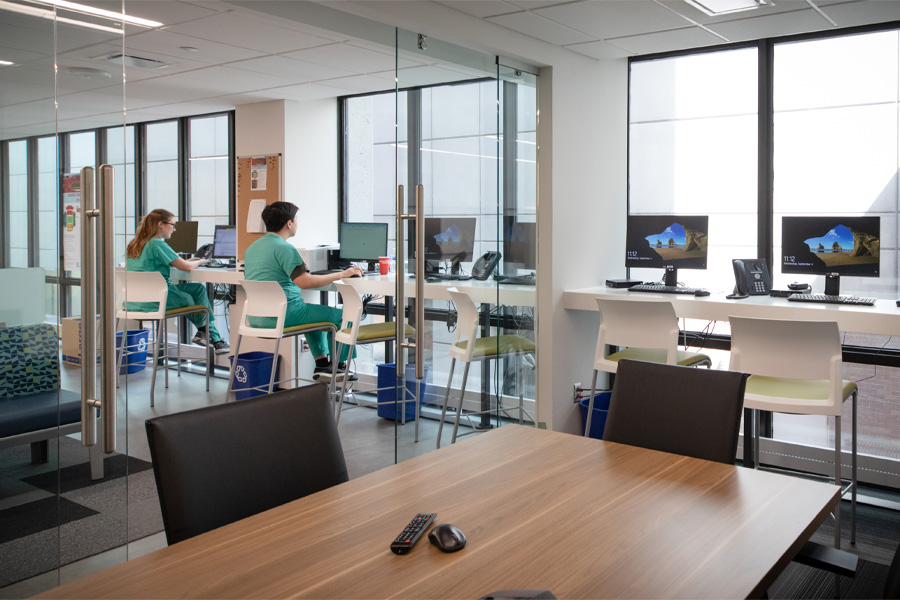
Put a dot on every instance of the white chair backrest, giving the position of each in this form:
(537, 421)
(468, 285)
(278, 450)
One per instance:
(352, 313)
(638, 324)
(790, 349)
(466, 325)
(141, 286)
(264, 299)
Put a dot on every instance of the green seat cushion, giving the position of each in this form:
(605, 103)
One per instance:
(174, 312)
(378, 331)
(685, 359)
(497, 345)
(797, 389)
(306, 327)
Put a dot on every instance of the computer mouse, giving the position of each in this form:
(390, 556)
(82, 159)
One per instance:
(701, 293)
(355, 275)
(447, 538)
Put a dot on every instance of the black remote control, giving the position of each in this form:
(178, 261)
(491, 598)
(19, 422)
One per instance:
(412, 532)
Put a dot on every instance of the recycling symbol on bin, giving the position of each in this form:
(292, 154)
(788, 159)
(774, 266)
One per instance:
(240, 374)
(142, 345)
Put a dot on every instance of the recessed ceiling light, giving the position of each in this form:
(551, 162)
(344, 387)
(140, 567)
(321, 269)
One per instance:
(721, 7)
(88, 73)
(108, 14)
(5, 63)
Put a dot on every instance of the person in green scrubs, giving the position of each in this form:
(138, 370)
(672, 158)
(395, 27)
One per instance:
(148, 251)
(272, 258)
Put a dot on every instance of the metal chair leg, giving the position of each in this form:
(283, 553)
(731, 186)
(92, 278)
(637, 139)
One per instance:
(837, 480)
(121, 358)
(446, 399)
(156, 358)
(462, 398)
(165, 342)
(853, 473)
(230, 387)
(590, 411)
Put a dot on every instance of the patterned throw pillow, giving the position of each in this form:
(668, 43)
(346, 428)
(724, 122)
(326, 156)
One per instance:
(29, 360)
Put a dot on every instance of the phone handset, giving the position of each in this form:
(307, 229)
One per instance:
(204, 251)
(751, 278)
(485, 265)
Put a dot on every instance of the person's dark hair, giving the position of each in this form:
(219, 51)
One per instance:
(277, 214)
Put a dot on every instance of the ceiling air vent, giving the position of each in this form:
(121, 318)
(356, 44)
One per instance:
(135, 61)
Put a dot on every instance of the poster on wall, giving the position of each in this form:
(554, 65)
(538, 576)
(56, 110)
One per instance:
(72, 222)
(258, 173)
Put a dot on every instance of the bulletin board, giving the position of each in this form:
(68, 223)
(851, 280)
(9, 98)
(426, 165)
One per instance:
(259, 184)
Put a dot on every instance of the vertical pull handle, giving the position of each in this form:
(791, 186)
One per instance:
(88, 311)
(97, 285)
(399, 290)
(420, 279)
(106, 279)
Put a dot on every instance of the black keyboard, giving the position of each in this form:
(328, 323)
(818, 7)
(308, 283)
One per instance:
(515, 279)
(663, 289)
(443, 277)
(823, 299)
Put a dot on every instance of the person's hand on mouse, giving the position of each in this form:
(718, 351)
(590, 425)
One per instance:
(351, 271)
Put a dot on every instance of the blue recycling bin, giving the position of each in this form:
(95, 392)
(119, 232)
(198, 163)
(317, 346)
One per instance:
(135, 350)
(252, 370)
(387, 378)
(601, 410)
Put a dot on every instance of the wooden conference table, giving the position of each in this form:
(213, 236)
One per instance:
(541, 510)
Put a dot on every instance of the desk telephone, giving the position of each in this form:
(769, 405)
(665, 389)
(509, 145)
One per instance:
(751, 278)
(204, 251)
(485, 265)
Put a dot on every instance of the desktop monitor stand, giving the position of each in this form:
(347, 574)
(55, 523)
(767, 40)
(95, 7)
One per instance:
(671, 276)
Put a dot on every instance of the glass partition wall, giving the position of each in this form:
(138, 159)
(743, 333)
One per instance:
(63, 500)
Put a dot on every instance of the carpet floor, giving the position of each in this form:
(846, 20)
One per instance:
(50, 517)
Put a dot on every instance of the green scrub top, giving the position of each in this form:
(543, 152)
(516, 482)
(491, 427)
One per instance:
(272, 258)
(156, 256)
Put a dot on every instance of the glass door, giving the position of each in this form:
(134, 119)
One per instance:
(63, 500)
(457, 208)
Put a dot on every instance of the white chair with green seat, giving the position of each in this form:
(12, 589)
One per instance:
(795, 368)
(151, 287)
(353, 334)
(648, 329)
(468, 347)
(267, 299)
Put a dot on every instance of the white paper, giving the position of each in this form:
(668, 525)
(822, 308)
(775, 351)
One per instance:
(254, 217)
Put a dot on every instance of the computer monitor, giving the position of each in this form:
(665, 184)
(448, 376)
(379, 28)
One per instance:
(831, 245)
(184, 238)
(445, 238)
(520, 243)
(363, 242)
(668, 242)
(225, 242)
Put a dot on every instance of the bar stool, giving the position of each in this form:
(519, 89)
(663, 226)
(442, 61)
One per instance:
(353, 334)
(795, 368)
(649, 331)
(267, 299)
(152, 287)
(468, 347)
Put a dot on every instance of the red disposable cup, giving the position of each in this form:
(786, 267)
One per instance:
(384, 264)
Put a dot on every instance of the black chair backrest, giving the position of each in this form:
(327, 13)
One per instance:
(219, 464)
(682, 410)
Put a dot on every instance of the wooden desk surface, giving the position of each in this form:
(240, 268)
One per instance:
(541, 509)
(883, 318)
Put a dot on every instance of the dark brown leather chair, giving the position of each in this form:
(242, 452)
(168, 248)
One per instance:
(682, 410)
(219, 464)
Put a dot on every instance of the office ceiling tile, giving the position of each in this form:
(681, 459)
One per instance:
(235, 80)
(169, 43)
(800, 21)
(533, 4)
(779, 6)
(605, 19)
(303, 91)
(346, 57)
(540, 27)
(863, 13)
(359, 84)
(167, 13)
(481, 8)
(248, 33)
(599, 50)
(295, 71)
(650, 43)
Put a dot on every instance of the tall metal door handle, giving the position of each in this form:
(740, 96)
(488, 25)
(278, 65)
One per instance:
(420, 280)
(88, 311)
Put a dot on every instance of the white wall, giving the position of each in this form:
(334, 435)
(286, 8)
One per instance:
(305, 133)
